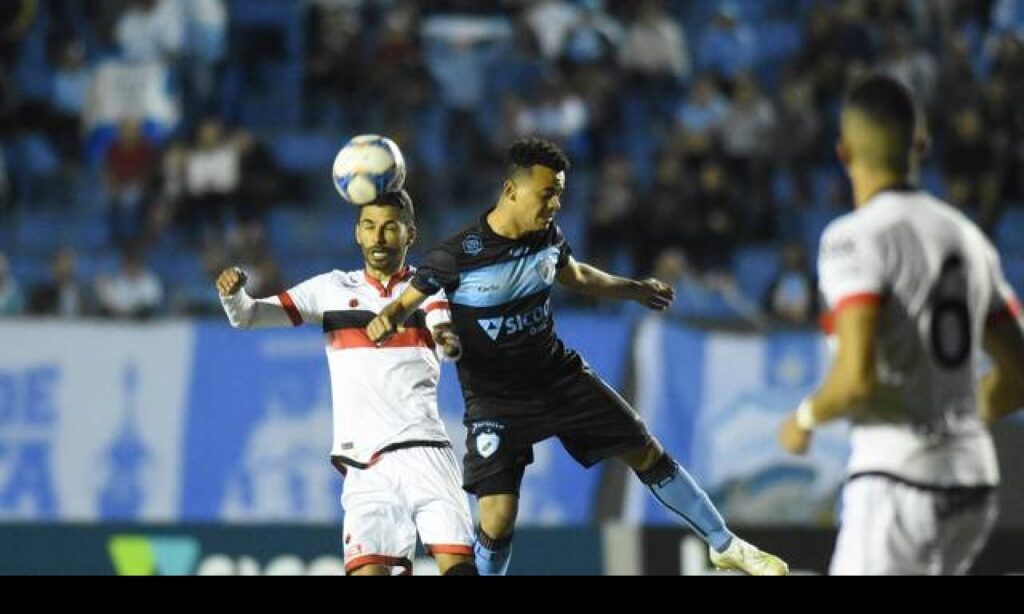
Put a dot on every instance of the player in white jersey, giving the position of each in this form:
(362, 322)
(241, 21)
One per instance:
(916, 293)
(389, 442)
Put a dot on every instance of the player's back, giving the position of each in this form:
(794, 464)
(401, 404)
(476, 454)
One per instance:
(934, 275)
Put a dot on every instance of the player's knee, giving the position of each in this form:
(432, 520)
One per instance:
(662, 469)
(644, 458)
(465, 568)
(498, 515)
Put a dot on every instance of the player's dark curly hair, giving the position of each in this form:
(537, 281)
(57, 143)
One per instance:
(526, 153)
(401, 200)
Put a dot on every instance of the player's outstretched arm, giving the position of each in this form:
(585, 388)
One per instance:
(242, 310)
(591, 281)
(1002, 390)
(394, 315)
(850, 381)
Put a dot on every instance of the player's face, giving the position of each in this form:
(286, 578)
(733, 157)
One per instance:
(383, 237)
(538, 195)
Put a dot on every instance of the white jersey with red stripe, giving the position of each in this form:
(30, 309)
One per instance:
(383, 397)
(937, 280)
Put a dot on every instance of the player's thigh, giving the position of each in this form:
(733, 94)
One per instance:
(965, 531)
(594, 422)
(378, 524)
(433, 485)
(886, 528)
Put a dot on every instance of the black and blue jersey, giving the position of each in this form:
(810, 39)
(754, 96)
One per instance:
(499, 290)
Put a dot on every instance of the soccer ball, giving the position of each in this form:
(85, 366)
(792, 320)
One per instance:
(366, 167)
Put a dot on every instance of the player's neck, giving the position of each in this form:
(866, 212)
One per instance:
(868, 183)
(383, 275)
(503, 224)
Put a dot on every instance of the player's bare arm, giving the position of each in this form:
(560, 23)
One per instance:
(1002, 390)
(394, 315)
(591, 281)
(851, 380)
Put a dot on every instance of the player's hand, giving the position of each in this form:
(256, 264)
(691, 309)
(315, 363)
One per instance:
(449, 343)
(230, 281)
(792, 438)
(655, 294)
(381, 329)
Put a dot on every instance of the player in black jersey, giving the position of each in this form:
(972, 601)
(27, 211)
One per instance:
(521, 384)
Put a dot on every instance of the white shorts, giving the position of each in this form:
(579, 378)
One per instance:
(889, 527)
(405, 491)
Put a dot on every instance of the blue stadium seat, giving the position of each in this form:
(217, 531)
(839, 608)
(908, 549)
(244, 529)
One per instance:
(1009, 234)
(755, 268)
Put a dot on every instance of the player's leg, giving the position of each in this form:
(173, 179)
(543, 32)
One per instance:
(966, 518)
(497, 507)
(432, 482)
(379, 536)
(597, 423)
(886, 528)
(497, 453)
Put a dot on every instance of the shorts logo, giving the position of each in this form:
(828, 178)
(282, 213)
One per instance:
(472, 245)
(492, 327)
(488, 437)
(487, 443)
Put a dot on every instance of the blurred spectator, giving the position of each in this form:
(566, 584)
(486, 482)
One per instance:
(912, 65)
(797, 141)
(197, 296)
(62, 295)
(728, 47)
(213, 167)
(970, 166)
(594, 39)
(11, 299)
(699, 119)
(130, 164)
(71, 83)
(747, 133)
(655, 48)
(612, 210)
(555, 113)
(336, 66)
(134, 292)
(551, 21)
(16, 17)
(262, 183)
(704, 298)
(792, 297)
(151, 30)
(717, 201)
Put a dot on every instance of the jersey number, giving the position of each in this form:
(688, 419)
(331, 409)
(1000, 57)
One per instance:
(951, 319)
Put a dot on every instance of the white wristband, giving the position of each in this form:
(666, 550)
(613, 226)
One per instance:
(805, 418)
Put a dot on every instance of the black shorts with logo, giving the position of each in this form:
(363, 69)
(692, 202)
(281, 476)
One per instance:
(590, 419)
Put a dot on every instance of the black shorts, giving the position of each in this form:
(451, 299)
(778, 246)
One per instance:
(590, 419)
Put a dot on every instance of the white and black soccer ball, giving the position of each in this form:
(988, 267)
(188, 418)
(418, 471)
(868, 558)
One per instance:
(366, 167)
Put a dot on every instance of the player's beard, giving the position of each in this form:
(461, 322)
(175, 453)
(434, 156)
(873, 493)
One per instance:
(388, 263)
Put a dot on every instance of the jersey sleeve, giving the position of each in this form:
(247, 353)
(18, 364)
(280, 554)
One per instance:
(438, 310)
(439, 271)
(302, 303)
(850, 268)
(1004, 303)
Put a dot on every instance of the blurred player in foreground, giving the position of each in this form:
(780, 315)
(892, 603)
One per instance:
(916, 292)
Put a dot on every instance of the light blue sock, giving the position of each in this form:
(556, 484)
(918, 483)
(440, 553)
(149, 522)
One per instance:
(674, 488)
(492, 555)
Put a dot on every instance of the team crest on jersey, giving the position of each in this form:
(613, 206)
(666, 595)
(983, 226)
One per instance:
(472, 245)
(547, 268)
(488, 437)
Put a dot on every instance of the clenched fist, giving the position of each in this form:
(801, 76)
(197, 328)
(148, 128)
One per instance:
(448, 342)
(381, 329)
(230, 281)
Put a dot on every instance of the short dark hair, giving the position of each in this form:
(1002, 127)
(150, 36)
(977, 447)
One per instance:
(530, 152)
(401, 200)
(889, 104)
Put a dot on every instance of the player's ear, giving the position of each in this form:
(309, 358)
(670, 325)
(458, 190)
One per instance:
(509, 189)
(411, 232)
(356, 231)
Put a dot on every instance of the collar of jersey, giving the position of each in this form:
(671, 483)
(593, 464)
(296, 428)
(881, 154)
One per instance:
(397, 278)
